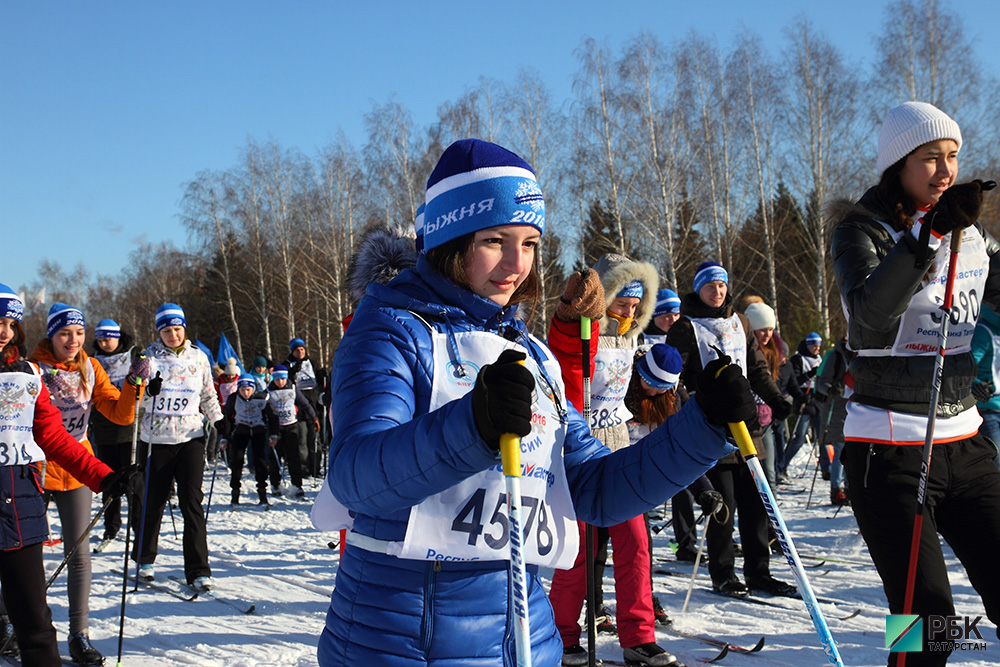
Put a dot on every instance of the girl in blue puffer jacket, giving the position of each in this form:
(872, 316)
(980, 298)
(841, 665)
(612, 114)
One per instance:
(424, 383)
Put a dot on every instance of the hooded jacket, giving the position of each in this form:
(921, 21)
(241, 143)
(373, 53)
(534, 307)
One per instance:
(389, 452)
(615, 271)
(118, 407)
(877, 278)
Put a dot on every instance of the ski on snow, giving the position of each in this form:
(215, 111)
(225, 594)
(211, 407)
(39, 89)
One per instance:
(240, 605)
(721, 643)
(161, 585)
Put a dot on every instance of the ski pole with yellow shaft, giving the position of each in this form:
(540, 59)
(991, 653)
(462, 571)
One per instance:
(510, 456)
(745, 443)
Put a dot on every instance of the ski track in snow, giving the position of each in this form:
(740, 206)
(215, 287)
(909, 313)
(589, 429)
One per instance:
(276, 560)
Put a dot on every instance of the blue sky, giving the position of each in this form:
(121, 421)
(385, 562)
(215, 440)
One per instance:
(108, 108)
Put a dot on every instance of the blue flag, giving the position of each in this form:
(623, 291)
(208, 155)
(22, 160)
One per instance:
(226, 352)
(204, 348)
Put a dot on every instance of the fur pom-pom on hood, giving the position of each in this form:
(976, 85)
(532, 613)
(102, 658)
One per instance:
(616, 271)
(383, 252)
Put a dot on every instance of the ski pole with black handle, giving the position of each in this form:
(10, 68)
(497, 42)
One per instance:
(925, 465)
(152, 390)
(589, 531)
(128, 518)
(510, 456)
(749, 452)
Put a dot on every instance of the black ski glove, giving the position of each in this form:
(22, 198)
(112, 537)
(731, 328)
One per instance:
(153, 388)
(958, 206)
(780, 410)
(726, 398)
(501, 399)
(710, 501)
(983, 391)
(118, 482)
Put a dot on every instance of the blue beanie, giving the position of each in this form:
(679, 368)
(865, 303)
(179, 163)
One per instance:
(814, 339)
(294, 343)
(633, 290)
(477, 185)
(170, 315)
(667, 302)
(660, 367)
(10, 304)
(707, 272)
(62, 315)
(107, 329)
(279, 372)
(246, 380)
(418, 227)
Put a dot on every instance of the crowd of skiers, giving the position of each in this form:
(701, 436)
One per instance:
(61, 404)
(624, 406)
(437, 364)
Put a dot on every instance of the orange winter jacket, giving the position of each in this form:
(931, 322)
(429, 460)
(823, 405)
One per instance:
(117, 406)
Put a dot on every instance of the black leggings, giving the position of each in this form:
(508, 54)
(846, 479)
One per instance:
(22, 576)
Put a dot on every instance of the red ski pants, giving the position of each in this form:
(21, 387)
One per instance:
(633, 595)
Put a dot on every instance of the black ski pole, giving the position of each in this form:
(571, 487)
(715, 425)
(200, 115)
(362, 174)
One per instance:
(153, 390)
(211, 488)
(170, 504)
(589, 531)
(128, 517)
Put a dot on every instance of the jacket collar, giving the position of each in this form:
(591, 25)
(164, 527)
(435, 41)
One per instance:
(693, 306)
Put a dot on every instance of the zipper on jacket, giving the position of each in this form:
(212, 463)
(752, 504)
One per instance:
(428, 617)
(868, 461)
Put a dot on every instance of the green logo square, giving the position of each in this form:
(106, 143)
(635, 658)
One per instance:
(904, 632)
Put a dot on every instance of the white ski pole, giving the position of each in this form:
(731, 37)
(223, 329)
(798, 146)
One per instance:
(510, 455)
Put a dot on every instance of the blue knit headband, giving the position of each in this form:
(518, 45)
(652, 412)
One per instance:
(708, 272)
(62, 316)
(633, 290)
(10, 304)
(170, 315)
(667, 302)
(478, 185)
(107, 329)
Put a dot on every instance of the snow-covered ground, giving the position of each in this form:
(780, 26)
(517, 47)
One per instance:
(278, 561)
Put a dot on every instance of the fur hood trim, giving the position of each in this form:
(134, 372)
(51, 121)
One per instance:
(382, 253)
(616, 271)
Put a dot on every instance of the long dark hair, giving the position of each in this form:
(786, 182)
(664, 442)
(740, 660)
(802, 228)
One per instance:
(11, 352)
(891, 192)
(450, 260)
(649, 410)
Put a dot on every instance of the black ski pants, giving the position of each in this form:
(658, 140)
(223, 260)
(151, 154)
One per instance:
(962, 504)
(184, 464)
(740, 494)
(292, 447)
(22, 577)
(256, 438)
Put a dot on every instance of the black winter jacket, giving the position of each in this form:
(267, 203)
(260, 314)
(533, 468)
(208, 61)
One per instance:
(877, 279)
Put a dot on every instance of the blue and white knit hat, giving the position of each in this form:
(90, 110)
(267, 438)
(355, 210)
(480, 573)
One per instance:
(279, 372)
(294, 343)
(61, 316)
(633, 290)
(477, 185)
(667, 302)
(418, 227)
(170, 315)
(246, 380)
(814, 339)
(10, 304)
(107, 329)
(707, 272)
(660, 367)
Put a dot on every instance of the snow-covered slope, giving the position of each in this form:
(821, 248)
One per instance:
(278, 561)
